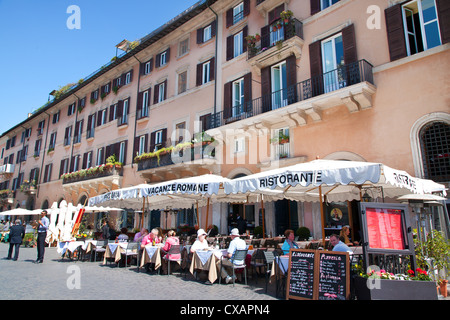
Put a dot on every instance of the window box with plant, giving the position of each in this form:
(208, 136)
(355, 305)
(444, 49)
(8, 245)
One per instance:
(28, 186)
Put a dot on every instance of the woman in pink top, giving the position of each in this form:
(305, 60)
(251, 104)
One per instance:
(171, 240)
(152, 236)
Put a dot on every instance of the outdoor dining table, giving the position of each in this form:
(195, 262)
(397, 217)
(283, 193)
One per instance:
(68, 246)
(151, 254)
(207, 259)
(114, 250)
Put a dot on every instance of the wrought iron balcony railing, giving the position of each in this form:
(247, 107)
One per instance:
(344, 76)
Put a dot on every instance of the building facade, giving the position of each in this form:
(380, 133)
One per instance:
(238, 87)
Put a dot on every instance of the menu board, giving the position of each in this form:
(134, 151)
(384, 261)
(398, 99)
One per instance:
(333, 276)
(301, 284)
(384, 227)
(318, 275)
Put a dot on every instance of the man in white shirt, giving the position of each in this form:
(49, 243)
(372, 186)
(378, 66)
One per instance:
(235, 244)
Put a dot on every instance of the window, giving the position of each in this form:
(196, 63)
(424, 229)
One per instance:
(52, 143)
(78, 131)
(238, 13)
(145, 103)
(141, 145)
(206, 71)
(148, 67)
(91, 126)
(103, 116)
(68, 136)
(158, 137)
(239, 144)
(99, 156)
(279, 85)
(64, 166)
(238, 97)
(280, 142)
(207, 33)
(124, 118)
(235, 44)
(56, 117)
(435, 145)
(160, 92)
(113, 112)
(238, 44)
(183, 47)
(71, 109)
(47, 172)
(87, 160)
(25, 134)
(75, 163)
(37, 147)
(420, 21)
(180, 129)
(127, 78)
(182, 82)
(327, 3)
(122, 152)
(41, 127)
(332, 61)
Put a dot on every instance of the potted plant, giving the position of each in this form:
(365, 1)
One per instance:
(303, 233)
(286, 16)
(434, 255)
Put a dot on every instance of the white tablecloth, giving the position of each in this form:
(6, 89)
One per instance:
(68, 245)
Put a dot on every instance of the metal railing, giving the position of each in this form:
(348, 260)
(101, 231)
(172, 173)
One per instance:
(343, 76)
(278, 32)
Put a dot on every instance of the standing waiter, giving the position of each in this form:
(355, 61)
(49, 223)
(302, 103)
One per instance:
(42, 234)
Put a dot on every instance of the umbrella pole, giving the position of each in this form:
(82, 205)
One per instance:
(207, 213)
(141, 224)
(322, 216)
(263, 218)
(198, 221)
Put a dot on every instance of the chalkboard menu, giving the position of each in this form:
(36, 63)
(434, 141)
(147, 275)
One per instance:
(318, 275)
(301, 284)
(333, 276)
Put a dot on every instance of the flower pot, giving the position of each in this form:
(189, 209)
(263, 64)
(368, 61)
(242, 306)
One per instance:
(381, 289)
(443, 288)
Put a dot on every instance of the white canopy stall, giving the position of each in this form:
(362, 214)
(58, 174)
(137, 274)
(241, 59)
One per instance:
(335, 179)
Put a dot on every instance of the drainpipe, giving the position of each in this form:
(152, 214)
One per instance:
(215, 55)
(135, 117)
(43, 157)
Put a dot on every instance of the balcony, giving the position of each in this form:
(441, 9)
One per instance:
(278, 41)
(6, 169)
(351, 85)
(107, 175)
(174, 160)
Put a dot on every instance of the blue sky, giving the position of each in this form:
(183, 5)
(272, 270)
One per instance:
(40, 53)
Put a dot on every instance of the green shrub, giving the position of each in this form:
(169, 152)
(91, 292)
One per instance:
(303, 233)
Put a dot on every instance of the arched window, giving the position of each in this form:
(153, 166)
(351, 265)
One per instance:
(435, 146)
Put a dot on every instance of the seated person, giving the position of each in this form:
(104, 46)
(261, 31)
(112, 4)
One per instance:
(152, 238)
(201, 242)
(170, 241)
(343, 235)
(338, 245)
(289, 242)
(123, 235)
(235, 244)
(139, 236)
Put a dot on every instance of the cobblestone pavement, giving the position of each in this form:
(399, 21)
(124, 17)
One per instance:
(57, 279)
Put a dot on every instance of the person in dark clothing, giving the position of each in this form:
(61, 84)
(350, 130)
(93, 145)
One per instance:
(105, 230)
(241, 224)
(16, 234)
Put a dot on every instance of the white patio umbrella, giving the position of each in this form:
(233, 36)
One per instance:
(53, 212)
(21, 212)
(337, 180)
(62, 218)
